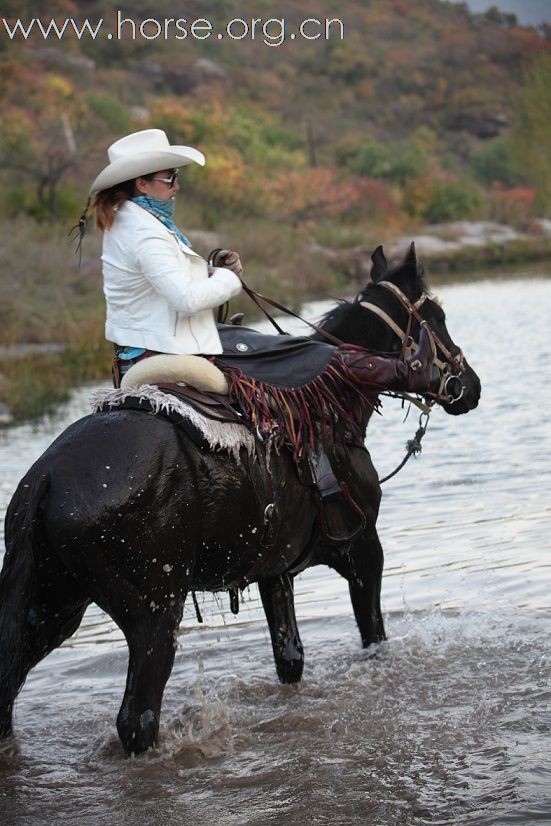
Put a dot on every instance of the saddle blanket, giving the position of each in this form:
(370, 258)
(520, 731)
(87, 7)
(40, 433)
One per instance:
(218, 435)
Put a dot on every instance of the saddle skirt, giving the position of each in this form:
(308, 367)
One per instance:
(276, 360)
(208, 419)
(281, 361)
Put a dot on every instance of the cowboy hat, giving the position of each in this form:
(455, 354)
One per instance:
(140, 154)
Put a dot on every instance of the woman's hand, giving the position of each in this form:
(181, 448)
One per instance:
(233, 262)
(229, 259)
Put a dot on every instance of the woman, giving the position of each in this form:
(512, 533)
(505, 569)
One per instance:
(160, 294)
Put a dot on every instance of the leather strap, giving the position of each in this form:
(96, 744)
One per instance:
(257, 297)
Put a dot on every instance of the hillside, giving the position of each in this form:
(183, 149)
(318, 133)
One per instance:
(410, 84)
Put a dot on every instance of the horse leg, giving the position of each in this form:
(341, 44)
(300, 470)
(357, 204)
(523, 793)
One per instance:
(151, 646)
(361, 564)
(40, 606)
(277, 596)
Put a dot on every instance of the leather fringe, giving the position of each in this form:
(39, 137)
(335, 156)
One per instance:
(298, 417)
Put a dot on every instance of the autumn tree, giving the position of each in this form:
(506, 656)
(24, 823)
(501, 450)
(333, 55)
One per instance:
(531, 133)
(37, 141)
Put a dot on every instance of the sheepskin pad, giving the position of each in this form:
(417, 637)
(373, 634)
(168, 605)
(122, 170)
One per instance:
(196, 371)
(219, 435)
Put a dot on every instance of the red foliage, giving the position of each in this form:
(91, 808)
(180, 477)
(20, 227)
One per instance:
(301, 196)
(511, 206)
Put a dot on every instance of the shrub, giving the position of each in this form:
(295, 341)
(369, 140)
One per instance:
(531, 135)
(394, 162)
(511, 206)
(111, 112)
(493, 163)
(453, 200)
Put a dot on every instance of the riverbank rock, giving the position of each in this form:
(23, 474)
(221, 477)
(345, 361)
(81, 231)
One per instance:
(436, 239)
(6, 416)
(51, 56)
(541, 226)
(445, 246)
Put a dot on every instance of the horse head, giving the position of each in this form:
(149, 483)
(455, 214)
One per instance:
(386, 315)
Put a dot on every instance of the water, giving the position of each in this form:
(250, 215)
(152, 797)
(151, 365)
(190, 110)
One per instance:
(449, 723)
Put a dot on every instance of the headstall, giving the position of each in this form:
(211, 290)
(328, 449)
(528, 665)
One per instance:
(451, 387)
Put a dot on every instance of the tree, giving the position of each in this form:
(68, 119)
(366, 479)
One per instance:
(42, 152)
(531, 132)
(37, 141)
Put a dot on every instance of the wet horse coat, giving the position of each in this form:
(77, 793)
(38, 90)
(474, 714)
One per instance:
(124, 510)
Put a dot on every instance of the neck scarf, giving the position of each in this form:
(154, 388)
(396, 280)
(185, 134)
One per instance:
(163, 210)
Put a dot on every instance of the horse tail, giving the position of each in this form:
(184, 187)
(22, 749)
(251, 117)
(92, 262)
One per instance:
(17, 585)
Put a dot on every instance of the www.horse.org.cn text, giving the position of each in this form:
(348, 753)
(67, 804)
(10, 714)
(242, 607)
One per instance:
(273, 31)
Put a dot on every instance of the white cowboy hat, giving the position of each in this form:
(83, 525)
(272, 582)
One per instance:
(140, 154)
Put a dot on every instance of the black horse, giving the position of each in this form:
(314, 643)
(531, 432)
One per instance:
(124, 510)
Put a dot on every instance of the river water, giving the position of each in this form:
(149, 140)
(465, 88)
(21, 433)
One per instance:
(449, 723)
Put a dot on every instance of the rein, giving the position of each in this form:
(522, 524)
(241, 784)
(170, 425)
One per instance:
(447, 376)
(413, 446)
(258, 297)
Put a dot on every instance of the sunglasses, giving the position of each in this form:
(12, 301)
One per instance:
(168, 181)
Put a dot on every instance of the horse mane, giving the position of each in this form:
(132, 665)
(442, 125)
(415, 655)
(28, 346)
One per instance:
(336, 315)
(396, 274)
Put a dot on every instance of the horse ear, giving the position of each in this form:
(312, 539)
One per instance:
(379, 269)
(411, 257)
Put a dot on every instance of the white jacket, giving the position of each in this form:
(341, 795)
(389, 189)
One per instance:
(157, 289)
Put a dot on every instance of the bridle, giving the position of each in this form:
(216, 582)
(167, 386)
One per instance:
(451, 367)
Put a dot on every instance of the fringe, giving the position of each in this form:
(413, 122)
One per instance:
(298, 417)
(219, 435)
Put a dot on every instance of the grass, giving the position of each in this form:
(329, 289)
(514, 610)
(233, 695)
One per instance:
(34, 384)
(45, 296)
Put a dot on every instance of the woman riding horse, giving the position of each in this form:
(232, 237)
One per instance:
(160, 293)
(127, 511)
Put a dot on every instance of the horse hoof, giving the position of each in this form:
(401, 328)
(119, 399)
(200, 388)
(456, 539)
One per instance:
(373, 649)
(290, 671)
(140, 737)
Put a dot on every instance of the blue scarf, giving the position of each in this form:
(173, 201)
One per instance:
(163, 210)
